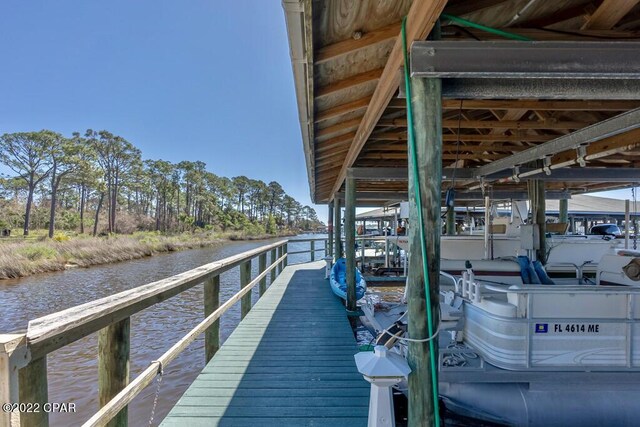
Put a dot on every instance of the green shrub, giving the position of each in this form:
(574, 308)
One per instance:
(36, 252)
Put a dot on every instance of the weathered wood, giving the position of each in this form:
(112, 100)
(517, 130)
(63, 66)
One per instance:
(340, 110)
(427, 112)
(272, 258)
(54, 331)
(313, 250)
(211, 304)
(123, 398)
(609, 13)
(308, 382)
(350, 45)
(13, 355)
(330, 226)
(495, 124)
(350, 240)
(262, 265)
(285, 250)
(420, 20)
(34, 388)
(539, 216)
(337, 229)
(245, 278)
(563, 214)
(451, 221)
(280, 265)
(113, 366)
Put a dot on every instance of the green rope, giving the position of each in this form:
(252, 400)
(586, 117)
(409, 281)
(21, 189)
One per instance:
(425, 267)
(471, 24)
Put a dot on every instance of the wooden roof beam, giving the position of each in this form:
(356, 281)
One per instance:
(539, 105)
(495, 124)
(357, 42)
(609, 14)
(452, 137)
(420, 20)
(349, 82)
(340, 110)
(343, 127)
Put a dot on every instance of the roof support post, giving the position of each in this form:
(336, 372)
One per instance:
(337, 228)
(427, 112)
(563, 215)
(538, 201)
(330, 231)
(350, 240)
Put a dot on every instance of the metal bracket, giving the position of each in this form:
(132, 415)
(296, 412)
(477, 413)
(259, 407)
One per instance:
(547, 165)
(516, 174)
(581, 152)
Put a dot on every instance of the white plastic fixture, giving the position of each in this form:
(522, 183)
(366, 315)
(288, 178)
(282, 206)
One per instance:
(327, 271)
(382, 369)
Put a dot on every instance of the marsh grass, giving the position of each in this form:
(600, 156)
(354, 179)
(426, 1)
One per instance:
(19, 258)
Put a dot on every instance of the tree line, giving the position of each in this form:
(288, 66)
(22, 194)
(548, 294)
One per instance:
(98, 176)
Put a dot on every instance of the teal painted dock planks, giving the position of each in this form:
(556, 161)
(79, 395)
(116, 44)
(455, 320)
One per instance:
(289, 363)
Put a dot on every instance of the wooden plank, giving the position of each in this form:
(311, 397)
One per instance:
(262, 265)
(266, 373)
(609, 13)
(495, 124)
(338, 128)
(211, 304)
(113, 366)
(366, 39)
(538, 105)
(402, 137)
(340, 110)
(420, 20)
(34, 389)
(358, 79)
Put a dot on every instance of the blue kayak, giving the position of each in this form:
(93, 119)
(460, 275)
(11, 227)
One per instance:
(338, 280)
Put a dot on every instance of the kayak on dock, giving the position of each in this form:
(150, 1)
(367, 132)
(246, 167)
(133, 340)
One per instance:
(338, 280)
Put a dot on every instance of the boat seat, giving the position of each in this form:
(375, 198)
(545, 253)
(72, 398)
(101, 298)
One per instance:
(497, 305)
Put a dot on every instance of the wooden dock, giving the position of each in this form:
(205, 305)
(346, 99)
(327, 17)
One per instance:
(289, 362)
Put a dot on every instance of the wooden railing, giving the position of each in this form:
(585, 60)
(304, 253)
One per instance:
(23, 357)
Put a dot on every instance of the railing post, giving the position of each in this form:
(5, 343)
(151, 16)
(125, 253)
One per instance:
(284, 250)
(113, 365)
(34, 389)
(273, 270)
(211, 303)
(280, 264)
(262, 266)
(313, 250)
(245, 278)
(13, 355)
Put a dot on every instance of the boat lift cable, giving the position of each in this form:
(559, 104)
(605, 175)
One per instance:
(418, 203)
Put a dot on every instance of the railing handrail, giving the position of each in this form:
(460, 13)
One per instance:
(126, 395)
(51, 332)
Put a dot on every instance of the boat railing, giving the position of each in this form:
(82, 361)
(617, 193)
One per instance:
(23, 356)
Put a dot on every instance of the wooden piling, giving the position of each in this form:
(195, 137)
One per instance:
(350, 240)
(537, 196)
(273, 259)
(329, 244)
(34, 389)
(427, 116)
(245, 278)
(285, 249)
(563, 214)
(262, 266)
(313, 250)
(337, 228)
(211, 303)
(113, 365)
(280, 264)
(627, 223)
(451, 221)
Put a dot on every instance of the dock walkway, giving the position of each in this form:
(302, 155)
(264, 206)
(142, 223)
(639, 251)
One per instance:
(288, 363)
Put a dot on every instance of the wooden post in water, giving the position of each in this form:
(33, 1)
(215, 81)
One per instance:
(113, 365)
(329, 251)
(280, 264)
(262, 266)
(313, 250)
(245, 278)
(537, 200)
(337, 231)
(627, 223)
(211, 303)
(285, 250)
(451, 221)
(273, 270)
(563, 214)
(34, 388)
(350, 239)
(427, 116)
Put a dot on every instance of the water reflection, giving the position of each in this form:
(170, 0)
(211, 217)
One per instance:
(73, 375)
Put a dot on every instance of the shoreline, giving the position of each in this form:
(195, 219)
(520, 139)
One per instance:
(23, 258)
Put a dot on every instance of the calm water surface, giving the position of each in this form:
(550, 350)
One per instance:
(73, 372)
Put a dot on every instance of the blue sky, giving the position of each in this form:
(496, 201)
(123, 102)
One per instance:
(182, 80)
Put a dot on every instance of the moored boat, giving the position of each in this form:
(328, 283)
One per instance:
(338, 280)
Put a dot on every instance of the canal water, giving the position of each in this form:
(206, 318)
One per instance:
(73, 372)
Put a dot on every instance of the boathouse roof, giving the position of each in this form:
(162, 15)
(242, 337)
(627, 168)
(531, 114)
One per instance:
(347, 59)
